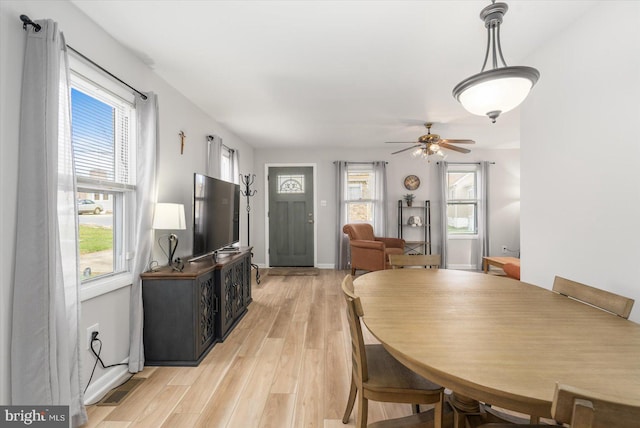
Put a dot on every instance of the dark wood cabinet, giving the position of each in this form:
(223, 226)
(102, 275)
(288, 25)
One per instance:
(186, 313)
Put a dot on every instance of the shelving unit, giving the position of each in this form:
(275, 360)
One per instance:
(417, 238)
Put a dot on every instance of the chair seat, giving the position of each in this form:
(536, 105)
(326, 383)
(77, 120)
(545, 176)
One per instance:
(388, 375)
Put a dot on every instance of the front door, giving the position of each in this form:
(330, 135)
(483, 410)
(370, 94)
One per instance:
(291, 216)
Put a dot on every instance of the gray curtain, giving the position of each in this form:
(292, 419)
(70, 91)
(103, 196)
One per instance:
(483, 213)
(380, 196)
(235, 166)
(342, 240)
(380, 206)
(146, 196)
(214, 153)
(45, 357)
(442, 172)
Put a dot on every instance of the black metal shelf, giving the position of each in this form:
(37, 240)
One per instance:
(421, 245)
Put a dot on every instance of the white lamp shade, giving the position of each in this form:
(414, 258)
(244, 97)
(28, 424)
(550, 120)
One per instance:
(169, 216)
(501, 95)
(496, 91)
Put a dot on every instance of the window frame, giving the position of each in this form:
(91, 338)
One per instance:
(348, 201)
(90, 81)
(469, 201)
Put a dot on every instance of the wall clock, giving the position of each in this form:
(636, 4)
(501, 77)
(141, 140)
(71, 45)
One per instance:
(411, 182)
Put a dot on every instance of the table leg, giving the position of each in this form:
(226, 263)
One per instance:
(485, 266)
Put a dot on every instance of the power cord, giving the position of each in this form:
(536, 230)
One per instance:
(94, 338)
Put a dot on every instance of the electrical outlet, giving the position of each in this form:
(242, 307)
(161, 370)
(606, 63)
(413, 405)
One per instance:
(90, 330)
(504, 249)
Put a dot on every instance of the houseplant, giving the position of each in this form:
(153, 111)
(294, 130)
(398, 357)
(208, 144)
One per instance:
(409, 197)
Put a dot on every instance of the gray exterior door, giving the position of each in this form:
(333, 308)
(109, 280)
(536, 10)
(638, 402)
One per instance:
(291, 216)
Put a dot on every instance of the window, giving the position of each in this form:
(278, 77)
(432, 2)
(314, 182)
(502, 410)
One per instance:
(462, 199)
(103, 137)
(360, 193)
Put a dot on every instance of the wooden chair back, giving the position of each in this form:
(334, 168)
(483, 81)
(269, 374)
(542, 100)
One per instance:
(605, 300)
(354, 313)
(585, 409)
(405, 260)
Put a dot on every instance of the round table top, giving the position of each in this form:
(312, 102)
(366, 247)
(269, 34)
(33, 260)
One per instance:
(498, 340)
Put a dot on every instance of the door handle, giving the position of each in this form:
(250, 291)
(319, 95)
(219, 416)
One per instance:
(310, 221)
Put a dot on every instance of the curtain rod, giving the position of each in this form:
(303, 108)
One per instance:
(37, 27)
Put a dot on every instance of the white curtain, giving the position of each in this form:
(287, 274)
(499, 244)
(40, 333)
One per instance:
(442, 172)
(45, 358)
(214, 154)
(146, 196)
(342, 240)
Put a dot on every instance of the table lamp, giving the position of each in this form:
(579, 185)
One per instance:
(169, 217)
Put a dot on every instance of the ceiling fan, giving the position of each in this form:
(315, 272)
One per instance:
(431, 144)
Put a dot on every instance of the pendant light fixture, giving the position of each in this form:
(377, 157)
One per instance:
(500, 89)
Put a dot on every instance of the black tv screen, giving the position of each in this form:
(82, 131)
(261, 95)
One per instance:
(216, 214)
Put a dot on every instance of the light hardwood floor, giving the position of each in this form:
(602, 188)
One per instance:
(286, 364)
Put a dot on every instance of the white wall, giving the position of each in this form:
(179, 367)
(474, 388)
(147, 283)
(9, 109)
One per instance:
(505, 192)
(580, 154)
(175, 171)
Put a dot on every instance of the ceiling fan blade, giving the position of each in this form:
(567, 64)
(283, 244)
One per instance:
(408, 148)
(454, 148)
(450, 141)
(400, 142)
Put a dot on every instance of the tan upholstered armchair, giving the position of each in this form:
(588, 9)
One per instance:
(369, 252)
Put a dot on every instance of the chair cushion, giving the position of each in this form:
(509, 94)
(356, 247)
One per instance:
(512, 270)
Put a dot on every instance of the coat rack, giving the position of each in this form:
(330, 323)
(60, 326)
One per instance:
(248, 180)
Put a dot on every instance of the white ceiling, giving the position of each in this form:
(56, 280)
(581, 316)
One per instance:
(331, 73)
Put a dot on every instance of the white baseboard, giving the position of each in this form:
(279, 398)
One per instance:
(325, 265)
(462, 267)
(100, 387)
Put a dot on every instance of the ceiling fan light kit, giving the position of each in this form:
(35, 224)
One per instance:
(500, 89)
(430, 145)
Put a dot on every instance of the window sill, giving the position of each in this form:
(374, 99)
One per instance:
(462, 236)
(103, 286)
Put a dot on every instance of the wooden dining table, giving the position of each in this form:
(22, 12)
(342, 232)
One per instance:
(498, 340)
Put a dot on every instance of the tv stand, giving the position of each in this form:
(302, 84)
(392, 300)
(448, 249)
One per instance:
(186, 313)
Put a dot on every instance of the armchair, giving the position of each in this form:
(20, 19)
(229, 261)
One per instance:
(369, 252)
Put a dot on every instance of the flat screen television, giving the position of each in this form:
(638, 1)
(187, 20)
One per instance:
(216, 214)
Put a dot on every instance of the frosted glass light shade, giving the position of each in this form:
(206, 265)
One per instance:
(169, 216)
(496, 91)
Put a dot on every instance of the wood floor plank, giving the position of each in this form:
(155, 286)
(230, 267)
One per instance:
(161, 407)
(278, 411)
(310, 398)
(222, 357)
(252, 400)
(140, 398)
(221, 404)
(96, 415)
(288, 369)
(336, 377)
(181, 420)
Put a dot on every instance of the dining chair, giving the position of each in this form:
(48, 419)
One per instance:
(601, 299)
(406, 260)
(377, 376)
(584, 409)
